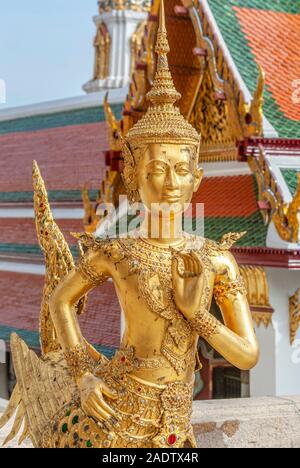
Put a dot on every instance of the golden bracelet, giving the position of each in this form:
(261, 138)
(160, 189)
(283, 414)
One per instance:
(224, 289)
(89, 272)
(79, 361)
(205, 324)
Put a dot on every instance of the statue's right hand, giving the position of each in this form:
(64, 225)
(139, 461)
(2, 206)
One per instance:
(91, 391)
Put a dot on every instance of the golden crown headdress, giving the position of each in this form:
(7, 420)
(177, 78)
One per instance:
(163, 122)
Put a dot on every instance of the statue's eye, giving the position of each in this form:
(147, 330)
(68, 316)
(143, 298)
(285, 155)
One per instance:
(182, 170)
(158, 169)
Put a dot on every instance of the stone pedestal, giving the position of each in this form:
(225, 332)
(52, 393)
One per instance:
(248, 423)
(240, 423)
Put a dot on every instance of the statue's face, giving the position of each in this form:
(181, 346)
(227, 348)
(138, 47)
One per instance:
(166, 175)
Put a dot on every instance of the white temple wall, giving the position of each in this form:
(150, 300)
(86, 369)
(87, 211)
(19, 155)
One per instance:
(282, 284)
(263, 376)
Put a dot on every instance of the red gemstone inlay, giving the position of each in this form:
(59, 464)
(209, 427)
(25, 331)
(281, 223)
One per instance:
(123, 359)
(172, 439)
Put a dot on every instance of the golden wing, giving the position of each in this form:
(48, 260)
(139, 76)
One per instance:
(44, 387)
(58, 259)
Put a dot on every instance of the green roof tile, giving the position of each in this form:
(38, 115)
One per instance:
(256, 235)
(57, 120)
(28, 249)
(214, 227)
(31, 338)
(291, 179)
(53, 195)
(242, 55)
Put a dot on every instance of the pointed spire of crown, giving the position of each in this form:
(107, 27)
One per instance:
(163, 122)
(163, 90)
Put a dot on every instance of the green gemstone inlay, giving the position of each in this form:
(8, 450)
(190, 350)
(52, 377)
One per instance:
(68, 413)
(64, 428)
(75, 420)
(89, 444)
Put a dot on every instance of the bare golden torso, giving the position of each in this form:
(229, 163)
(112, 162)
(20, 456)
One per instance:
(164, 343)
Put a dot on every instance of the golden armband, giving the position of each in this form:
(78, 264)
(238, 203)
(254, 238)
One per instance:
(205, 324)
(89, 272)
(229, 289)
(79, 361)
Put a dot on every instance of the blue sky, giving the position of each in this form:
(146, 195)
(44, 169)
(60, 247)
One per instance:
(46, 48)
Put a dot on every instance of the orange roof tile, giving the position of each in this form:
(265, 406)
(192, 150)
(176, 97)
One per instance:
(227, 196)
(23, 230)
(68, 157)
(21, 296)
(274, 40)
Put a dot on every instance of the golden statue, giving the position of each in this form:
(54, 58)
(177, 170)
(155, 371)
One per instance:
(73, 396)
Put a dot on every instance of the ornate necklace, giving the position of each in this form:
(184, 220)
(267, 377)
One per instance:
(152, 265)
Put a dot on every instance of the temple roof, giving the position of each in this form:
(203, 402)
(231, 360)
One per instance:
(230, 205)
(22, 307)
(266, 33)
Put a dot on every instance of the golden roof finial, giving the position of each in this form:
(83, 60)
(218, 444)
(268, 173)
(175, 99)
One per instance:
(163, 122)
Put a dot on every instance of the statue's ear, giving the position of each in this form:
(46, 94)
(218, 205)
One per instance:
(130, 169)
(198, 171)
(198, 178)
(130, 173)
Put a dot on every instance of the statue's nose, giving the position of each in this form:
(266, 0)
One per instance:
(171, 181)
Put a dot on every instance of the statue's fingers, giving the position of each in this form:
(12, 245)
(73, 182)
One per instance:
(197, 263)
(183, 263)
(197, 267)
(91, 410)
(109, 392)
(98, 412)
(109, 409)
(192, 268)
(177, 278)
(187, 263)
(174, 268)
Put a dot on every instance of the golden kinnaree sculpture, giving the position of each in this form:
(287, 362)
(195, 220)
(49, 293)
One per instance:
(73, 396)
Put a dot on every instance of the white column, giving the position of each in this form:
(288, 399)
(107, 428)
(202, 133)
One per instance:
(121, 25)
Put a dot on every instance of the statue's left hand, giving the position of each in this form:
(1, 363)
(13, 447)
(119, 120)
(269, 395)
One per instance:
(187, 278)
(92, 391)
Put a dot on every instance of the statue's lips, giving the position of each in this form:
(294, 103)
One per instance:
(170, 199)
